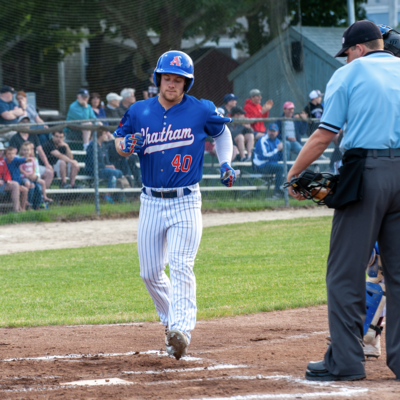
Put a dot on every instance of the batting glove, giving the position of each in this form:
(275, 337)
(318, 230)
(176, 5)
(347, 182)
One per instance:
(228, 175)
(131, 143)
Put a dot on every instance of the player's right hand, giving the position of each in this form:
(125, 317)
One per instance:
(131, 143)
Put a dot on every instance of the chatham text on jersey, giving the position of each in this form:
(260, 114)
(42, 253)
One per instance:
(176, 138)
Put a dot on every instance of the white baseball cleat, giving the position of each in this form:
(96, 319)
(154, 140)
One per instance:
(373, 349)
(177, 343)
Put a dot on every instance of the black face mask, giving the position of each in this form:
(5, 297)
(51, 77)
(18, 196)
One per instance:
(392, 42)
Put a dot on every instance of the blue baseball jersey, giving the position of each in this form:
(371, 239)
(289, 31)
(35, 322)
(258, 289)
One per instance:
(173, 150)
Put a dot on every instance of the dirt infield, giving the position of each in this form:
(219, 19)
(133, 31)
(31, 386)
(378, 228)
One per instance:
(260, 356)
(64, 235)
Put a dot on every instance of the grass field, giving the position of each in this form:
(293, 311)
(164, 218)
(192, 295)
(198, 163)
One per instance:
(239, 269)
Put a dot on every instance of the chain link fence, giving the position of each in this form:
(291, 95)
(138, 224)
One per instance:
(80, 189)
(76, 67)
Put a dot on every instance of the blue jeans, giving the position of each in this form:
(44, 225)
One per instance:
(108, 173)
(293, 147)
(272, 168)
(35, 196)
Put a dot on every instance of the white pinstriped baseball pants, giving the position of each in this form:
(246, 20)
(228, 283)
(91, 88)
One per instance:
(170, 232)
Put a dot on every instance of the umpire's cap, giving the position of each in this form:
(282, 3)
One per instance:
(175, 62)
(357, 33)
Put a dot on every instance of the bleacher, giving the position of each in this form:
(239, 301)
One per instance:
(247, 181)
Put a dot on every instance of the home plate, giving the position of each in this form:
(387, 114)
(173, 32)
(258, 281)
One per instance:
(97, 382)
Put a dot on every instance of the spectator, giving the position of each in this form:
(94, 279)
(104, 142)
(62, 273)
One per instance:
(243, 135)
(61, 158)
(314, 108)
(267, 153)
(229, 101)
(30, 171)
(293, 129)
(32, 114)
(254, 109)
(78, 110)
(105, 168)
(111, 109)
(128, 98)
(9, 111)
(45, 169)
(149, 89)
(28, 109)
(13, 164)
(95, 102)
(6, 184)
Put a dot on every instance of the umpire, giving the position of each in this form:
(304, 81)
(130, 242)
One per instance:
(365, 94)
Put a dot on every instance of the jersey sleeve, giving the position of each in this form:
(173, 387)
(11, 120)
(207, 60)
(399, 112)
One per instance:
(125, 126)
(336, 103)
(215, 122)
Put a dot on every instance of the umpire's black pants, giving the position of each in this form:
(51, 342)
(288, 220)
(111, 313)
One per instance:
(354, 232)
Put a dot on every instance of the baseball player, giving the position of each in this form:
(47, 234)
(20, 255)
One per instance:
(368, 207)
(168, 133)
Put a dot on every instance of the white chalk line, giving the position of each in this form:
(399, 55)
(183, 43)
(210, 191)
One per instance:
(342, 390)
(263, 342)
(212, 368)
(348, 393)
(84, 356)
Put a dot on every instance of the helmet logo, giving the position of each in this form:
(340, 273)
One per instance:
(177, 61)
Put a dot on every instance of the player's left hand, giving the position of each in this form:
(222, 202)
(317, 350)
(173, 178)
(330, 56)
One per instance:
(228, 175)
(131, 143)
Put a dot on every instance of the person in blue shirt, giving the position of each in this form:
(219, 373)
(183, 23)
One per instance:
(365, 94)
(168, 132)
(267, 154)
(78, 110)
(9, 111)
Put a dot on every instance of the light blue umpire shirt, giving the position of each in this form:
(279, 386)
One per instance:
(366, 94)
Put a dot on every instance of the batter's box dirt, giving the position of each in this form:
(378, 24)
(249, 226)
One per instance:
(260, 356)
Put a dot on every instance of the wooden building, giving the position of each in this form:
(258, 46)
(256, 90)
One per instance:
(290, 67)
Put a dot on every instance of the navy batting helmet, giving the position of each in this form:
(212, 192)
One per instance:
(391, 39)
(175, 62)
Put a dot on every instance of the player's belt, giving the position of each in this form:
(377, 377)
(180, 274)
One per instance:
(168, 194)
(383, 153)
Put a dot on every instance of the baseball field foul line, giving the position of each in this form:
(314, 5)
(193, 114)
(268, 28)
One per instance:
(212, 368)
(349, 392)
(77, 356)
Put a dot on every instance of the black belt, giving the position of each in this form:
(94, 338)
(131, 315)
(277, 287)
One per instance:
(383, 153)
(170, 194)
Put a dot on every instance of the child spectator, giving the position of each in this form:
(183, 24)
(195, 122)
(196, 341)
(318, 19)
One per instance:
(6, 184)
(242, 134)
(13, 164)
(30, 170)
(45, 169)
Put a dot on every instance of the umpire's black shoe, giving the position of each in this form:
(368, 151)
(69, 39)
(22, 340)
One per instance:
(316, 371)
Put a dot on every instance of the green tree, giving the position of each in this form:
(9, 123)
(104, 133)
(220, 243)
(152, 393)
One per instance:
(274, 16)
